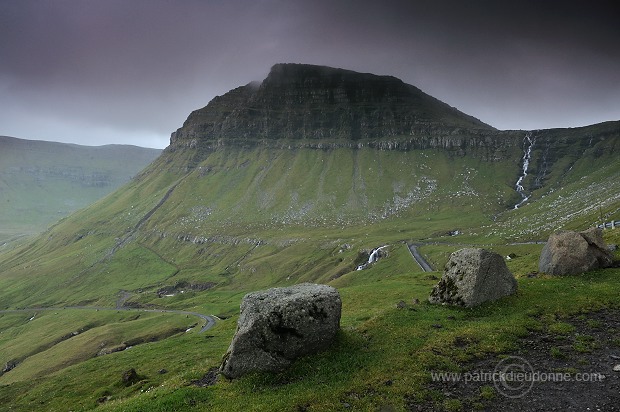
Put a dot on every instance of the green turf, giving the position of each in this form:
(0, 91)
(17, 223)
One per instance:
(243, 219)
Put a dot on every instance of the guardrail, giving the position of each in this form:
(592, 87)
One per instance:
(609, 225)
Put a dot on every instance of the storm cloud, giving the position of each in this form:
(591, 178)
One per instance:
(97, 72)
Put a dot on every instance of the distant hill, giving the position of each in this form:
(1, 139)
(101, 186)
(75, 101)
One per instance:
(41, 182)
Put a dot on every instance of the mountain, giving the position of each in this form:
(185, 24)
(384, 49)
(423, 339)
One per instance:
(41, 182)
(250, 191)
(313, 102)
(297, 178)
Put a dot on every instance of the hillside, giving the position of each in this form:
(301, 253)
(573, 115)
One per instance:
(41, 182)
(297, 179)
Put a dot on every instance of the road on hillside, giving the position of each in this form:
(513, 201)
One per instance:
(419, 259)
(413, 249)
(208, 319)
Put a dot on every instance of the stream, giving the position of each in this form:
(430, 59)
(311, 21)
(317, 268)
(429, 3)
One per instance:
(528, 142)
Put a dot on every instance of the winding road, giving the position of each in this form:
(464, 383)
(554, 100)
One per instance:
(208, 319)
(413, 249)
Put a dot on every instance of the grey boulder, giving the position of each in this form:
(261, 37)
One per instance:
(473, 276)
(279, 325)
(571, 253)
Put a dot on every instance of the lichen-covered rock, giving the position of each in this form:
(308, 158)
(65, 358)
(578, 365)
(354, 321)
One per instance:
(278, 325)
(473, 276)
(571, 253)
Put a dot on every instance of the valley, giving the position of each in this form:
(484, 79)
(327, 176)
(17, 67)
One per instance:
(298, 179)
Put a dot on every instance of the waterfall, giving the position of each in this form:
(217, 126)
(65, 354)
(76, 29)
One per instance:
(528, 142)
(374, 256)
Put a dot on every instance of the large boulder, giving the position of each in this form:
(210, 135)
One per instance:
(473, 276)
(571, 253)
(279, 325)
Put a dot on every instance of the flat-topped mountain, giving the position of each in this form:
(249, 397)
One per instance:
(300, 101)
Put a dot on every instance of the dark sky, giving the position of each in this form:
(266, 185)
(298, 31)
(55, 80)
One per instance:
(130, 71)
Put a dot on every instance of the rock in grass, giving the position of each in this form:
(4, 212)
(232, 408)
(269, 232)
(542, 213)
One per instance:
(9, 366)
(279, 325)
(572, 253)
(130, 377)
(473, 276)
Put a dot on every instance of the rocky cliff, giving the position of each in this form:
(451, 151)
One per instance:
(305, 102)
(308, 106)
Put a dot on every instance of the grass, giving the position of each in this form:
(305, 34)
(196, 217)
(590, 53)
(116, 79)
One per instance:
(382, 357)
(252, 218)
(66, 337)
(561, 328)
(395, 346)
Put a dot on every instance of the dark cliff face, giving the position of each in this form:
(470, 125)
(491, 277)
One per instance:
(306, 106)
(314, 102)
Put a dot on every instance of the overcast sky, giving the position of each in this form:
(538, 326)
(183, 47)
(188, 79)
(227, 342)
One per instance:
(130, 71)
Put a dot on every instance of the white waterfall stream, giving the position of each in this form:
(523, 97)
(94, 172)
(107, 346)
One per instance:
(374, 256)
(528, 142)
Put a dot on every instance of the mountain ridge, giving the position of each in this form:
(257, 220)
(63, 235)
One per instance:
(42, 181)
(22, 141)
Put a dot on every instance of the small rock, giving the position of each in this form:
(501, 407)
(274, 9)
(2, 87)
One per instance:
(401, 305)
(10, 365)
(437, 326)
(162, 371)
(416, 301)
(130, 377)
(617, 368)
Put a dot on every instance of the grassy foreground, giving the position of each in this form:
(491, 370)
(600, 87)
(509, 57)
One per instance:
(382, 360)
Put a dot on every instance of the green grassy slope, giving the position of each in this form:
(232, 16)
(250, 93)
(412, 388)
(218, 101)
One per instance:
(245, 218)
(252, 217)
(41, 182)
(382, 358)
